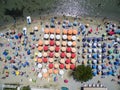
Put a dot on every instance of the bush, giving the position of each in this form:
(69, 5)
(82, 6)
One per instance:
(26, 88)
(82, 73)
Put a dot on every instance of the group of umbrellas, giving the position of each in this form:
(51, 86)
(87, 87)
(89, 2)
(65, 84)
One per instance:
(51, 49)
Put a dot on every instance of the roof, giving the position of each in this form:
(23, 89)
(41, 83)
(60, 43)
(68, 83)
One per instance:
(94, 88)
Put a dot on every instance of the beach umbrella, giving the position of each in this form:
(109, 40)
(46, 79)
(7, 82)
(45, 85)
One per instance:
(73, 50)
(39, 60)
(94, 56)
(90, 44)
(89, 56)
(55, 71)
(39, 65)
(89, 50)
(62, 55)
(94, 50)
(50, 60)
(94, 61)
(62, 61)
(64, 43)
(68, 49)
(52, 48)
(67, 61)
(52, 42)
(74, 32)
(99, 67)
(65, 81)
(68, 55)
(46, 42)
(110, 51)
(46, 36)
(63, 25)
(50, 71)
(45, 75)
(40, 48)
(40, 75)
(45, 48)
(69, 43)
(57, 55)
(40, 43)
(61, 66)
(45, 60)
(104, 45)
(99, 55)
(69, 32)
(64, 37)
(63, 49)
(52, 36)
(58, 31)
(99, 50)
(84, 44)
(74, 38)
(58, 37)
(94, 73)
(57, 43)
(17, 73)
(75, 23)
(99, 45)
(44, 70)
(74, 43)
(39, 54)
(69, 37)
(56, 65)
(67, 66)
(73, 61)
(51, 54)
(73, 55)
(88, 39)
(46, 31)
(61, 72)
(51, 65)
(109, 45)
(52, 30)
(94, 66)
(72, 66)
(45, 54)
(103, 50)
(57, 48)
(65, 32)
(109, 57)
(35, 28)
(84, 39)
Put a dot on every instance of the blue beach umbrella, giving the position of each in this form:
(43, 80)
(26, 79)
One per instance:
(94, 73)
(75, 23)
(16, 36)
(82, 27)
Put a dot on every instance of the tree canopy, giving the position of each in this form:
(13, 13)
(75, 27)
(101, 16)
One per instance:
(82, 73)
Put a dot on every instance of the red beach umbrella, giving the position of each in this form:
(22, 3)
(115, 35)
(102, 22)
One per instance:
(73, 55)
(61, 66)
(52, 42)
(45, 60)
(57, 48)
(67, 61)
(45, 48)
(51, 65)
(72, 66)
(68, 49)
(62, 55)
(51, 54)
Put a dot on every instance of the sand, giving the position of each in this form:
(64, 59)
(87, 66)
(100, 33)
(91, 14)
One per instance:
(72, 84)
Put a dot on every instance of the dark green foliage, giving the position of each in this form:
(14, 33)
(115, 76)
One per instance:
(26, 88)
(82, 73)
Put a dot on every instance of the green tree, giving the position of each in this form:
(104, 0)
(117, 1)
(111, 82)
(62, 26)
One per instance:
(82, 73)
(26, 88)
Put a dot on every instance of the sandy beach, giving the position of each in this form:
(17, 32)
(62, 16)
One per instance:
(49, 82)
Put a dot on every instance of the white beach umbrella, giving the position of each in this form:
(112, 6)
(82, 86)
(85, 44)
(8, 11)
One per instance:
(57, 37)
(73, 37)
(95, 50)
(99, 67)
(99, 44)
(61, 72)
(95, 44)
(90, 50)
(64, 37)
(36, 45)
(46, 36)
(99, 55)
(52, 36)
(90, 44)
(94, 61)
(69, 43)
(35, 28)
(118, 39)
(30, 79)
(39, 54)
(89, 55)
(44, 70)
(39, 65)
(40, 75)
